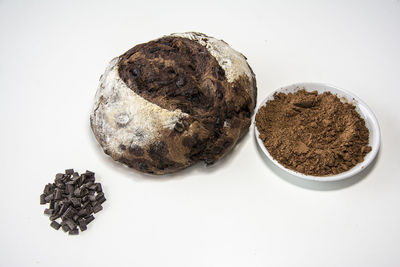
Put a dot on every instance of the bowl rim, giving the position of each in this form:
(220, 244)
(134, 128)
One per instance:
(349, 97)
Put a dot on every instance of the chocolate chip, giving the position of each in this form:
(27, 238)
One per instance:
(99, 195)
(74, 231)
(221, 73)
(69, 213)
(158, 149)
(82, 213)
(97, 208)
(82, 224)
(55, 225)
(178, 127)
(136, 150)
(89, 209)
(76, 202)
(89, 219)
(84, 191)
(49, 197)
(89, 173)
(185, 123)
(69, 171)
(92, 198)
(54, 217)
(180, 82)
(99, 188)
(48, 211)
(70, 189)
(58, 194)
(65, 227)
(48, 189)
(101, 200)
(43, 199)
(71, 224)
(134, 72)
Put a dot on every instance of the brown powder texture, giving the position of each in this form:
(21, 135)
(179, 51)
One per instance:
(311, 133)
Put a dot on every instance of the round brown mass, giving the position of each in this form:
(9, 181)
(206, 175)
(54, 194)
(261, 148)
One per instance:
(311, 133)
(206, 92)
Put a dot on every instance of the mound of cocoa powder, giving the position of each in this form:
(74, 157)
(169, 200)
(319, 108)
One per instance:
(315, 134)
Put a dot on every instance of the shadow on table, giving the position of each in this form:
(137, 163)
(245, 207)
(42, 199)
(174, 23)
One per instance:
(316, 185)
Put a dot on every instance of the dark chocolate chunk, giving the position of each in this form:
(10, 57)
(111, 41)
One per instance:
(71, 224)
(88, 185)
(54, 217)
(99, 195)
(74, 231)
(43, 199)
(89, 219)
(84, 192)
(48, 211)
(85, 198)
(75, 218)
(82, 213)
(93, 187)
(63, 208)
(99, 188)
(55, 225)
(65, 227)
(101, 200)
(179, 127)
(47, 189)
(69, 213)
(180, 82)
(97, 208)
(60, 184)
(49, 197)
(92, 198)
(77, 192)
(58, 194)
(89, 209)
(89, 173)
(70, 189)
(76, 202)
(69, 171)
(82, 224)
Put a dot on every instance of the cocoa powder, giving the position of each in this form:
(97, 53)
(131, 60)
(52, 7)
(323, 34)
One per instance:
(315, 134)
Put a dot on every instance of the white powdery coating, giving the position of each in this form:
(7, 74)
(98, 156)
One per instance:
(120, 116)
(233, 63)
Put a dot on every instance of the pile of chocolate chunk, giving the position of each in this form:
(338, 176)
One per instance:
(72, 200)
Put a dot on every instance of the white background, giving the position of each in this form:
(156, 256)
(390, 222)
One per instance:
(241, 212)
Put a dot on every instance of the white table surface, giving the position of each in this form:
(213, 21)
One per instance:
(241, 212)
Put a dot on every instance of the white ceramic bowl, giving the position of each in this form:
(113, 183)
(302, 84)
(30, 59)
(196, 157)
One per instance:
(364, 111)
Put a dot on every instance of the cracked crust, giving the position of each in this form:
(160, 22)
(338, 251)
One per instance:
(168, 103)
